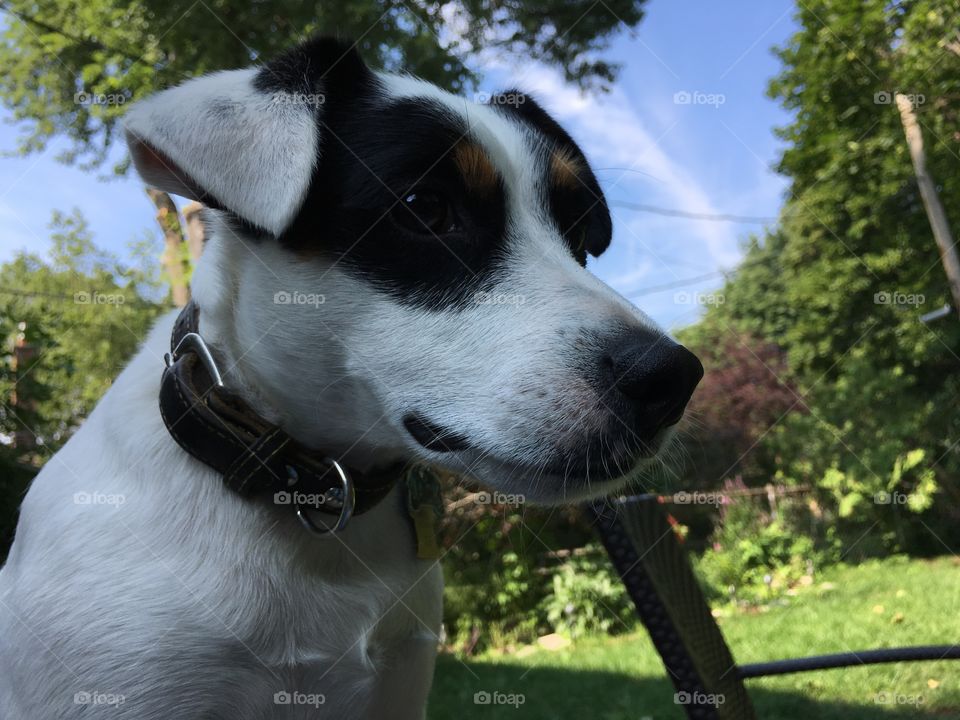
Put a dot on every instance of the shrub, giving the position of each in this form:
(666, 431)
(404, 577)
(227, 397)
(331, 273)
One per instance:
(755, 558)
(587, 596)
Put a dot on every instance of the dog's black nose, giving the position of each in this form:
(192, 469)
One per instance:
(656, 375)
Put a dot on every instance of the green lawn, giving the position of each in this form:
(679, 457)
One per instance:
(878, 604)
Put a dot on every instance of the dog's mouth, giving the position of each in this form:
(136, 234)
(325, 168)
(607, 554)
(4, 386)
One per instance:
(596, 464)
(432, 436)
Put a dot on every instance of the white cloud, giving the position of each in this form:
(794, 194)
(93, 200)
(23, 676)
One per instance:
(615, 136)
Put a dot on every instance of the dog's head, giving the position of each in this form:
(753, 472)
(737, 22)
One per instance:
(400, 273)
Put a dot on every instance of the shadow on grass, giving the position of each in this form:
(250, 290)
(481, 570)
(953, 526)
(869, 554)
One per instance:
(556, 693)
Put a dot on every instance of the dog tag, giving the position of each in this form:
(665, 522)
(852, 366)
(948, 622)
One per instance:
(425, 507)
(425, 526)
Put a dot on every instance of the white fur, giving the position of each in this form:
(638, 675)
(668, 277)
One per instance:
(188, 601)
(251, 150)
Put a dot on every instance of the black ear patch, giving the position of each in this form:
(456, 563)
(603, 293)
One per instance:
(576, 200)
(322, 66)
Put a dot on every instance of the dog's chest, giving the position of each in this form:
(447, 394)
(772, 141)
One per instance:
(335, 649)
(329, 636)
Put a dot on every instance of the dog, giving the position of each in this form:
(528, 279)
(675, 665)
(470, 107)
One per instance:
(392, 275)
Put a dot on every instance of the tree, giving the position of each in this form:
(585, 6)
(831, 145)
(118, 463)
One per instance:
(841, 282)
(68, 68)
(84, 311)
(744, 391)
(84, 314)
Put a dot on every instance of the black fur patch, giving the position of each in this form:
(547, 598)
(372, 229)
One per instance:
(374, 151)
(320, 65)
(581, 211)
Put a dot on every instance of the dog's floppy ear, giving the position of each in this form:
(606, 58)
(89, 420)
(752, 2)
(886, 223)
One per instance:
(246, 141)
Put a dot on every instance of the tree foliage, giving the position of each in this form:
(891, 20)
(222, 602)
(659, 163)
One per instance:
(745, 391)
(840, 284)
(68, 67)
(69, 322)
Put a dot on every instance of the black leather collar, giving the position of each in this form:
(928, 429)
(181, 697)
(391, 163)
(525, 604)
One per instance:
(254, 456)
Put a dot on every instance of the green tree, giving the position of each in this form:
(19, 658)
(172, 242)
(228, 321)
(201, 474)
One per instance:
(69, 322)
(58, 56)
(841, 283)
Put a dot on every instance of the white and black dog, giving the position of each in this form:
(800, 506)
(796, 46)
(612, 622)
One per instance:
(392, 275)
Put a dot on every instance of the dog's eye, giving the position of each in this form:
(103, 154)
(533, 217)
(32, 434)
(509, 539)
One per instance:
(580, 244)
(426, 212)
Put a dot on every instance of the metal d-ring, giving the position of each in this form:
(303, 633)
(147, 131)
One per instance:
(193, 341)
(347, 504)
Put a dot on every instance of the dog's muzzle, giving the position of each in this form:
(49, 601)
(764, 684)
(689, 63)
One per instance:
(254, 456)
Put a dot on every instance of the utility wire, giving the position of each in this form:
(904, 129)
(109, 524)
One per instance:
(677, 284)
(683, 282)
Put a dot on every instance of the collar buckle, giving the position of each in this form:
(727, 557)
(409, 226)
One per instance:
(193, 342)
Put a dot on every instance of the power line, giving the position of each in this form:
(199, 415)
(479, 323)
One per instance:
(683, 282)
(714, 217)
(679, 283)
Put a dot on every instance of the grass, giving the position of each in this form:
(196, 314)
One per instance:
(877, 604)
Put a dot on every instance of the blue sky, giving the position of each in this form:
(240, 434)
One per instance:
(711, 154)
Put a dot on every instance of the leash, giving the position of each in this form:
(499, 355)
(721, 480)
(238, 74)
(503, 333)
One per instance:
(255, 457)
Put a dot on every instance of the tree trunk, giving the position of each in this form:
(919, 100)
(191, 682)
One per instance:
(175, 261)
(195, 238)
(24, 407)
(931, 201)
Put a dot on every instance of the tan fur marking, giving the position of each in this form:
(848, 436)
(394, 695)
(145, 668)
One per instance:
(478, 172)
(565, 169)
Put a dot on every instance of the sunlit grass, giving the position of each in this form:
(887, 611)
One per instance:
(878, 604)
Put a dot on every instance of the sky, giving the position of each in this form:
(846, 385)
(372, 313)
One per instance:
(687, 126)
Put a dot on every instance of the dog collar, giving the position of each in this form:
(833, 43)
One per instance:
(254, 456)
